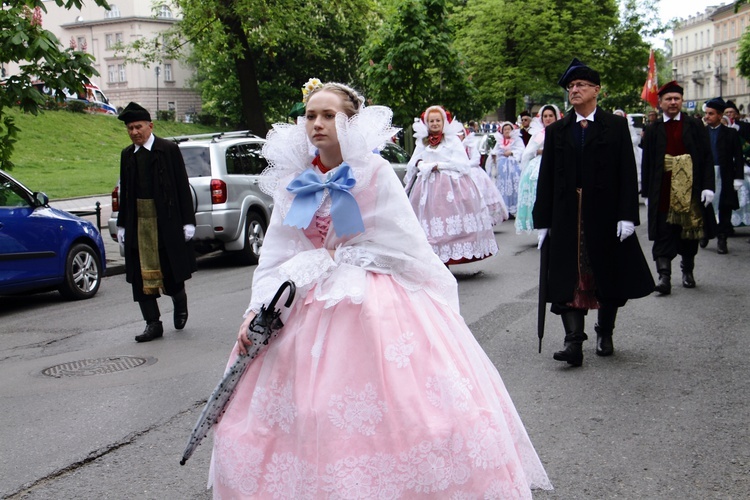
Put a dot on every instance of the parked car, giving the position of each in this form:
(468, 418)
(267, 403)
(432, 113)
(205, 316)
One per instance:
(397, 156)
(43, 248)
(231, 212)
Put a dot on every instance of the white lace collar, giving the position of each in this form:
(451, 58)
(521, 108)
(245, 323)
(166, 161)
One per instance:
(289, 151)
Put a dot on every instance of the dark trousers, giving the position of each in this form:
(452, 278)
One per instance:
(669, 243)
(725, 222)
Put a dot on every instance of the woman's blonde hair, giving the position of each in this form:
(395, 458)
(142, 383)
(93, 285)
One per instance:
(351, 101)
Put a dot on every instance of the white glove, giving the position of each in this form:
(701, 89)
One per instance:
(747, 170)
(426, 167)
(737, 184)
(540, 235)
(189, 231)
(624, 229)
(707, 196)
(121, 235)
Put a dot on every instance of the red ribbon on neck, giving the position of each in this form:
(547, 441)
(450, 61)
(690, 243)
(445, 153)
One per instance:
(316, 161)
(435, 139)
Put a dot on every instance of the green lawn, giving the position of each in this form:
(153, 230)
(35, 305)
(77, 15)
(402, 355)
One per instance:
(68, 154)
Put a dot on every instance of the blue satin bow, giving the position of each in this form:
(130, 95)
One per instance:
(308, 190)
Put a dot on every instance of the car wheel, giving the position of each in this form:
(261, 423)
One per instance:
(82, 273)
(255, 232)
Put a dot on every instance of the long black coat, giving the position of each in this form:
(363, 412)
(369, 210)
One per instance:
(731, 166)
(610, 194)
(174, 207)
(654, 143)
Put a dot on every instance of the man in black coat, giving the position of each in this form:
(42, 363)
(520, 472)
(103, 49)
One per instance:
(677, 176)
(525, 118)
(587, 206)
(156, 221)
(728, 164)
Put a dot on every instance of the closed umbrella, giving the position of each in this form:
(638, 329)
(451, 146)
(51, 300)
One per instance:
(264, 326)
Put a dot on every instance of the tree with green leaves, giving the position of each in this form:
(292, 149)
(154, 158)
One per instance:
(516, 48)
(410, 62)
(624, 61)
(253, 57)
(40, 57)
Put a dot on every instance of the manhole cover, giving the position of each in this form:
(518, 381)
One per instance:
(98, 366)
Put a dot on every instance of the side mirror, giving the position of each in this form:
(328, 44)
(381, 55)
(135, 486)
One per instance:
(40, 199)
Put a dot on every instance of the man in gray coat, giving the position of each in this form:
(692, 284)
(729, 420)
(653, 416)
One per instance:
(156, 221)
(587, 206)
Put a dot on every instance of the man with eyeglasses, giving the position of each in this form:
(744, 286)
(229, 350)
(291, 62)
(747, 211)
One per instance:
(587, 209)
(677, 178)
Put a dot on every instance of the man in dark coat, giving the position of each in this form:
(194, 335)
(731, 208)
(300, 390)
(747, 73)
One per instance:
(677, 176)
(525, 117)
(587, 205)
(728, 164)
(156, 221)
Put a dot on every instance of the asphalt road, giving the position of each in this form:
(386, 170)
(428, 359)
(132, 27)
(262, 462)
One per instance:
(666, 417)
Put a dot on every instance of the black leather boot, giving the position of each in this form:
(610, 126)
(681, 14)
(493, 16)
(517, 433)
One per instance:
(572, 353)
(180, 309)
(721, 244)
(605, 327)
(154, 328)
(687, 265)
(664, 268)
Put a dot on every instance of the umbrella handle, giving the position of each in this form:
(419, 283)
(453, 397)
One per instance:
(292, 290)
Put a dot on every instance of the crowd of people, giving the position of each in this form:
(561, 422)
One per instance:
(377, 388)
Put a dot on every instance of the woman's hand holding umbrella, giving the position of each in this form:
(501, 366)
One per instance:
(242, 341)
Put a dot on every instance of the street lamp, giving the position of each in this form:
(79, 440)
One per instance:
(158, 71)
(718, 77)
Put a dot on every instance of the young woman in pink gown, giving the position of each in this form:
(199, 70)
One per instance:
(375, 387)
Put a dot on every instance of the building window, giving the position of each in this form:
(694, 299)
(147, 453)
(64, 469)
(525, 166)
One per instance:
(82, 43)
(118, 38)
(114, 11)
(731, 30)
(171, 106)
(112, 73)
(121, 71)
(164, 12)
(168, 73)
(108, 40)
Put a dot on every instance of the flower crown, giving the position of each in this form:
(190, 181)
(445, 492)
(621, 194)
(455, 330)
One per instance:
(312, 84)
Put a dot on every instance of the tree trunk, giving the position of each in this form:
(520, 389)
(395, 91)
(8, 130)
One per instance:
(253, 116)
(509, 109)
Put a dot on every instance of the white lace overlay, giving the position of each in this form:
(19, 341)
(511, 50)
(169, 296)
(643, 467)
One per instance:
(401, 351)
(449, 390)
(289, 477)
(430, 467)
(358, 412)
(307, 267)
(275, 405)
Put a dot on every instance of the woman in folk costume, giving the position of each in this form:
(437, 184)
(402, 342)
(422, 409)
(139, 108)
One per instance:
(507, 155)
(530, 161)
(375, 387)
(490, 194)
(447, 202)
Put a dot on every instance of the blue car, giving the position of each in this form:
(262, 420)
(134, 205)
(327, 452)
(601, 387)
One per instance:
(43, 248)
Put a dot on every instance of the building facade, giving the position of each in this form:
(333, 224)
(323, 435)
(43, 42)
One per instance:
(704, 56)
(93, 29)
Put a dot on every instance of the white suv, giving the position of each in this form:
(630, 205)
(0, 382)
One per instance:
(231, 211)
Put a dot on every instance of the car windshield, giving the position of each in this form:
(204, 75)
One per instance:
(11, 195)
(197, 161)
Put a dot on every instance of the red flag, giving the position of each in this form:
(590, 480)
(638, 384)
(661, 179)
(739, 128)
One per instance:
(649, 93)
